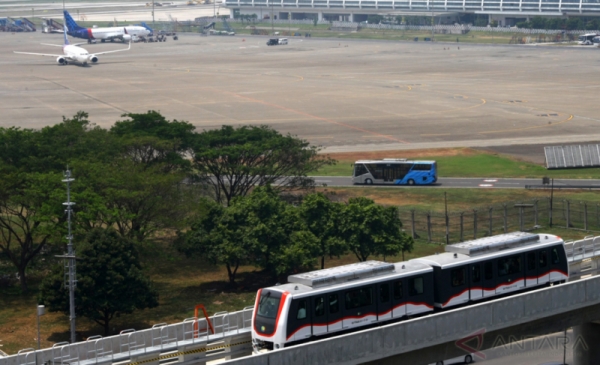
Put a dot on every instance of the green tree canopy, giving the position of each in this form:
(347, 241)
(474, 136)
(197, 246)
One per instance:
(235, 160)
(110, 281)
(321, 217)
(149, 138)
(371, 229)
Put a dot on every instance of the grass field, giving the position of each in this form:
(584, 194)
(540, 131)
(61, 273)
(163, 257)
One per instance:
(462, 162)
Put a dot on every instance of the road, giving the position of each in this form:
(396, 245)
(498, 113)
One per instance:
(462, 182)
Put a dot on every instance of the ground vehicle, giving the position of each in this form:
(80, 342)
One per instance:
(586, 39)
(467, 359)
(398, 171)
(347, 297)
(283, 41)
(273, 42)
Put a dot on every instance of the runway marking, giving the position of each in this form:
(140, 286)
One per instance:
(490, 180)
(84, 94)
(328, 120)
(486, 185)
(528, 128)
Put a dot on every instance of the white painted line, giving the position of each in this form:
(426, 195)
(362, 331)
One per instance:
(490, 180)
(486, 185)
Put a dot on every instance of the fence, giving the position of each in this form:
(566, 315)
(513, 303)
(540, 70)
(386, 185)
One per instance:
(501, 218)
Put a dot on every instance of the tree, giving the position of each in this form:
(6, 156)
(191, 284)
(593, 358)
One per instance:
(371, 229)
(135, 199)
(537, 22)
(374, 19)
(150, 139)
(321, 216)
(220, 237)
(235, 160)
(30, 215)
(110, 281)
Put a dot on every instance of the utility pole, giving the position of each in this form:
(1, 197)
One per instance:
(272, 29)
(153, 26)
(447, 228)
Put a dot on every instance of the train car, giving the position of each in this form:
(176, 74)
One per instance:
(338, 299)
(496, 265)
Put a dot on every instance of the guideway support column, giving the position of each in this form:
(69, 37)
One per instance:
(586, 339)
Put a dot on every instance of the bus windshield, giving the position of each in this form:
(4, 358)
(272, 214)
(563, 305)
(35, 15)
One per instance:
(394, 171)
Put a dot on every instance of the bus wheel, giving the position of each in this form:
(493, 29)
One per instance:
(411, 182)
(369, 182)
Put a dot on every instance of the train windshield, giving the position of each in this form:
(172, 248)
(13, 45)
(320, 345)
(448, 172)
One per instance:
(268, 305)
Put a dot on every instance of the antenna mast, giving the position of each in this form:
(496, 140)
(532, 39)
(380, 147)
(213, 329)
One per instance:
(70, 278)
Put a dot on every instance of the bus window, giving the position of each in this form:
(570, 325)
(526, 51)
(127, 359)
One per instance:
(360, 169)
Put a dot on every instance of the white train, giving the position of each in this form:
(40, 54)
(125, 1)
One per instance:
(348, 297)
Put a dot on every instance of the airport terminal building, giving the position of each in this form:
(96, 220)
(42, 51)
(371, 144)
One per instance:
(506, 12)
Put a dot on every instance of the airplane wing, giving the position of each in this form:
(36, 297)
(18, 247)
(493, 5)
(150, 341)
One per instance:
(43, 54)
(118, 50)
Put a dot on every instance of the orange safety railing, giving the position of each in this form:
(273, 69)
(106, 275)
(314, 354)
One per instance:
(205, 316)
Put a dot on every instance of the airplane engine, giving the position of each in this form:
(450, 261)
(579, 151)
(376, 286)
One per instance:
(93, 59)
(126, 38)
(61, 60)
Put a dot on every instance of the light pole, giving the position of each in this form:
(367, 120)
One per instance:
(447, 228)
(41, 310)
(272, 29)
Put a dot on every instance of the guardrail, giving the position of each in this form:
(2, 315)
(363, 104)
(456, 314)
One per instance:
(186, 341)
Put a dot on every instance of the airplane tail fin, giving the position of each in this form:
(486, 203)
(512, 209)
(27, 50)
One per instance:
(65, 35)
(70, 22)
(147, 27)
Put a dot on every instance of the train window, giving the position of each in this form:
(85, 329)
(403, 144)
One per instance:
(489, 271)
(398, 289)
(334, 304)
(531, 261)
(359, 298)
(384, 293)
(475, 273)
(301, 310)
(509, 265)
(554, 256)
(319, 306)
(543, 259)
(416, 286)
(458, 277)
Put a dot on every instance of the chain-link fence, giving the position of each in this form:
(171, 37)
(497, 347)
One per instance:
(501, 218)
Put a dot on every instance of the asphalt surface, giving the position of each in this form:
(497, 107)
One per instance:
(458, 182)
(345, 95)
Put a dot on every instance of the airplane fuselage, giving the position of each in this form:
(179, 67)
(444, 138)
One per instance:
(125, 33)
(78, 54)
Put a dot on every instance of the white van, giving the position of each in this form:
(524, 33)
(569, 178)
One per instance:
(283, 41)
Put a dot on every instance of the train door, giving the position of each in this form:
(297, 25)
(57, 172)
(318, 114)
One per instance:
(319, 320)
(334, 312)
(475, 285)
(455, 288)
(399, 295)
(489, 279)
(360, 307)
(543, 271)
(384, 304)
(510, 273)
(531, 270)
(299, 321)
(559, 268)
(418, 295)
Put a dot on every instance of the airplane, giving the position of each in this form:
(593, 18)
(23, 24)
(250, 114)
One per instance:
(74, 53)
(125, 34)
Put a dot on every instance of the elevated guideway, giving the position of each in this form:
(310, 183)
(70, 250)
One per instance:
(417, 341)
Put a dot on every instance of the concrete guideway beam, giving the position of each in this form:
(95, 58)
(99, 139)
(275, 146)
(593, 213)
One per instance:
(543, 311)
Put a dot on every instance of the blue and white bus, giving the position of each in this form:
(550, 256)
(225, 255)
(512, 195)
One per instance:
(398, 171)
